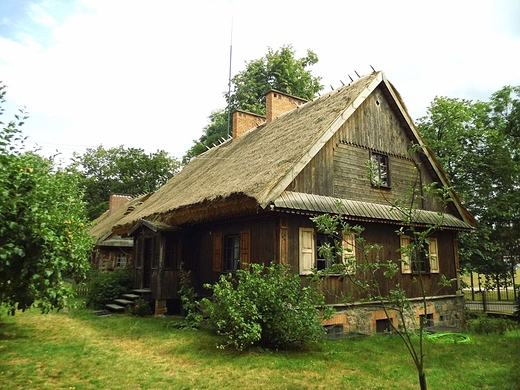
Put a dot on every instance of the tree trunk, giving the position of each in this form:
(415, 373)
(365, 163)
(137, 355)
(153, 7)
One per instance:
(422, 380)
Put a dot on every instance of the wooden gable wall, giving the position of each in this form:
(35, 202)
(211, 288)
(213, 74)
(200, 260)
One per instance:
(340, 168)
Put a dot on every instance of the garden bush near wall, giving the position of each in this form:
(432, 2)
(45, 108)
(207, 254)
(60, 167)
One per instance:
(264, 306)
(106, 286)
(484, 324)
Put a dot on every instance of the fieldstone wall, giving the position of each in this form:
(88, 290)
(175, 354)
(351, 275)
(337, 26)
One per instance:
(447, 311)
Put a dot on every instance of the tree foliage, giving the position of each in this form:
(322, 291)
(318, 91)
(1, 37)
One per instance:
(478, 143)
(279, 70)
(43, 225)
(126, 171)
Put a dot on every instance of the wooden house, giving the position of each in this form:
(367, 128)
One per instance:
(111, 251)
(250, 199)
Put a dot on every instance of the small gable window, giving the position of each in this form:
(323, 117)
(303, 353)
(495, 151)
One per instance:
(379, 170)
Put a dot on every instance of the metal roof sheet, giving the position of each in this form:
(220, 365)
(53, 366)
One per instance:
(359, 210)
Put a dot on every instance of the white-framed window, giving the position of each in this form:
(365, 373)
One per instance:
(422, 261)
(380, 169)
(121, 260)
(310, 258)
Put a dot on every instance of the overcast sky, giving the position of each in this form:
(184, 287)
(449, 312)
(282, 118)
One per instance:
(148, 74)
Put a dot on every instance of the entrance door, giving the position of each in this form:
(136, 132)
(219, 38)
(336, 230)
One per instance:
(147, 262)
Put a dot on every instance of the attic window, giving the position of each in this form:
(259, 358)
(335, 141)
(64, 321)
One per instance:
(379, 171)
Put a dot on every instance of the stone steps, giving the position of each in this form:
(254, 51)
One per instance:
(120, 304)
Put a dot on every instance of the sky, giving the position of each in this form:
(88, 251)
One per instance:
(147, 74)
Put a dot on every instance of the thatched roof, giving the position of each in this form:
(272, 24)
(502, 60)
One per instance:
(259, 165)
(102, 226)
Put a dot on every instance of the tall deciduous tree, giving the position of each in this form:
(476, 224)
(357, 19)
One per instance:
(43, 225)
(279, 70)
(479, 145)
(121, 170)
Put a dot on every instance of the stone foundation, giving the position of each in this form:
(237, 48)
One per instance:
(364, 317)
(160, 307)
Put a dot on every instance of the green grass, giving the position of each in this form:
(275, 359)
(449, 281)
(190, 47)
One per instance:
(491, 296)
(76, 350)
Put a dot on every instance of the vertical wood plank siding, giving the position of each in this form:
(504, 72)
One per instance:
(336, 288)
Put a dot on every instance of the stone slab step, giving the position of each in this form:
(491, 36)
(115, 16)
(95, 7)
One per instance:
(114, 307)
(123, 302)
(131, 297)
(102, 313)
(142, 290)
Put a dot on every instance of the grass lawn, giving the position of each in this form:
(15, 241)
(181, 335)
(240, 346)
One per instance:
(76, 350)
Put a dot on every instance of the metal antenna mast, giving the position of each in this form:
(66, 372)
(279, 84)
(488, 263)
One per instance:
(229, 81)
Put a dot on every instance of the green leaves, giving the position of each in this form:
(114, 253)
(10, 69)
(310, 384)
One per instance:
(37, 248)
(264, 306)
(478, 143)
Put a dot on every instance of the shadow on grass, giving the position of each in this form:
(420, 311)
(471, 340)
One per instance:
(10, 330)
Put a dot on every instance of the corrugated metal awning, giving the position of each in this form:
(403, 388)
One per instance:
(363, 211)
(119, 242)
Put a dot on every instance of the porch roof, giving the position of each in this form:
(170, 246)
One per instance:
(363, 211)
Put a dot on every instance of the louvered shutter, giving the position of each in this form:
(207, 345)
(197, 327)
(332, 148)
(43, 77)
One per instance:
(217, 252)
(306, 250)
(406, 266)
(349, 252)
(245, 248)
(433, 254)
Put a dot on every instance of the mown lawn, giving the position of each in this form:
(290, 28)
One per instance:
(76, 350)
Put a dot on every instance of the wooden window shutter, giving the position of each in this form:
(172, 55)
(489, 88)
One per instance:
(349, 252)
(245, 248)
(433, 255)
(307, 251)
(406, 266)
(217, 252)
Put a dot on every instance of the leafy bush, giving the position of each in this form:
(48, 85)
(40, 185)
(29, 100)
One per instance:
(264, 306)
(188, 295)
(105, 286)
(487, 325)
(140, 308)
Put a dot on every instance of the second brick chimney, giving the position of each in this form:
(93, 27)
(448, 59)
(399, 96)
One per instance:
(244, 121)
(117, 201)
(278, 103)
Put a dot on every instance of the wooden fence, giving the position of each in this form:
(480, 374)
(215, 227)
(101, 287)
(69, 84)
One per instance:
(81, 289)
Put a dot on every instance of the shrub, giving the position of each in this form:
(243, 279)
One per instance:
(104, 287)
(264, 306)
(140, 308)
(484, 324)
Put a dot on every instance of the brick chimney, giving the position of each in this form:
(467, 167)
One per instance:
(116, 201)
(244, 121)
(278, 103)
